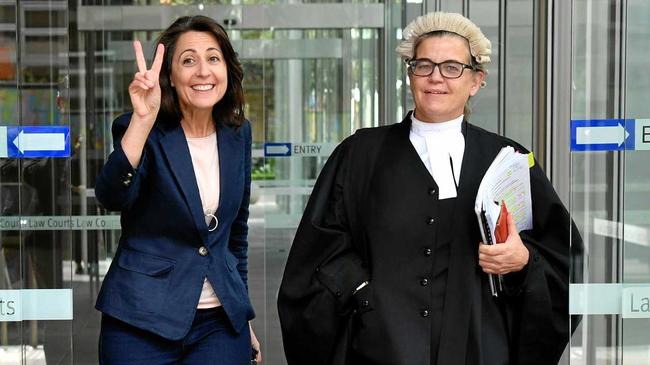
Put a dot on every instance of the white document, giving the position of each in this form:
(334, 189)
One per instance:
(508, 180)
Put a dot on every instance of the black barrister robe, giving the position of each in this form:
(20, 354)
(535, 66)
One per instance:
(374, 215)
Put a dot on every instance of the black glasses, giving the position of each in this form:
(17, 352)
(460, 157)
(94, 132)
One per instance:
(448, 69)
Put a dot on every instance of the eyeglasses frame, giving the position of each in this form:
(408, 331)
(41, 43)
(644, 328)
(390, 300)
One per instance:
(437, 64)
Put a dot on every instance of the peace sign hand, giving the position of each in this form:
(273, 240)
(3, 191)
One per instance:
(144, 90)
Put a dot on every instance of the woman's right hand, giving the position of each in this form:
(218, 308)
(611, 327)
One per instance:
(144, 90)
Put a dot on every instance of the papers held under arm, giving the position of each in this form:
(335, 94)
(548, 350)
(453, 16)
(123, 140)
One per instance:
(508, 180)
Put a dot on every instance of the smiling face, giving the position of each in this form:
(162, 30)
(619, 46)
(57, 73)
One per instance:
(436, 98)
(198, 73)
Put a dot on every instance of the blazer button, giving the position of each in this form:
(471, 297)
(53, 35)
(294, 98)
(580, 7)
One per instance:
(364, 304)
(427, 251)
(432, 191)
(424, 313)
(431, 220)
(203, 251)
(126, 182)
(424, 282)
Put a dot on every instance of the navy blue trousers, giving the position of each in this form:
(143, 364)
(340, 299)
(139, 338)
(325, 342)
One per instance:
(210, 341)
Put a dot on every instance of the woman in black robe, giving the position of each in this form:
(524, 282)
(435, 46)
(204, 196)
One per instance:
(387, 266)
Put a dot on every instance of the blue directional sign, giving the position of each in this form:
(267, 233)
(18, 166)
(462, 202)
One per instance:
(277, 149)
(603, 135)
(35, 141)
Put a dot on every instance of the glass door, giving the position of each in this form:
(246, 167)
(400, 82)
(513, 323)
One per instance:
(636, 189)
(609, 181)
(37, 201)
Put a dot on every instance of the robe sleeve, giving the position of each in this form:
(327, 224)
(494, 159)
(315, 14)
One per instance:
(323, 269)
(541, 292)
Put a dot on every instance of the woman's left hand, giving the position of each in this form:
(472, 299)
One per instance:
(256, 345)
(503, 258)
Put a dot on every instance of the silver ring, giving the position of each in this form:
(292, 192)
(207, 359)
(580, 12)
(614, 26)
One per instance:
(213, 218)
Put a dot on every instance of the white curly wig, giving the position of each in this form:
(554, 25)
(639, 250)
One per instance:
(479, 46)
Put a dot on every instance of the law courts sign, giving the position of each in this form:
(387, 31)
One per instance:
(48, 223)
(35, 305)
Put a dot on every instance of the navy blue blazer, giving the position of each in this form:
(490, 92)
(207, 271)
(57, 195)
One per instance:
(165, 249)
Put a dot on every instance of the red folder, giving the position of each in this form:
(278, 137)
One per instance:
(501, 230)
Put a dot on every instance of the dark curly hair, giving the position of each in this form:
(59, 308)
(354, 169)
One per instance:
(230, 109)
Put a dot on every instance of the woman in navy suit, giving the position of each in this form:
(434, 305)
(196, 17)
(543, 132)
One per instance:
(176, 291)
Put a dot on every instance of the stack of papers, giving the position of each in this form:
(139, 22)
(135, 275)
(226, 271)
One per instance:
(508, 180)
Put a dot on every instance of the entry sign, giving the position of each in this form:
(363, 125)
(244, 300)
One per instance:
(287, 149)
(35, 141)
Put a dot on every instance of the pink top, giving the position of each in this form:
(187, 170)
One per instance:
(205, 160)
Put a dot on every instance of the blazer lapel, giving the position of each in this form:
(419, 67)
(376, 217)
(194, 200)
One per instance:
(231, 155)
(174, 145)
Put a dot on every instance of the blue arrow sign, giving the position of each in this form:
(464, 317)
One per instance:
(277, 149)
(37, 141)
(602, 135)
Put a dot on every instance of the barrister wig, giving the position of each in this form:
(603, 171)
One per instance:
(479, 46)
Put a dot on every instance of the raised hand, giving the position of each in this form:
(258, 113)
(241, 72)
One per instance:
(144, 90)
